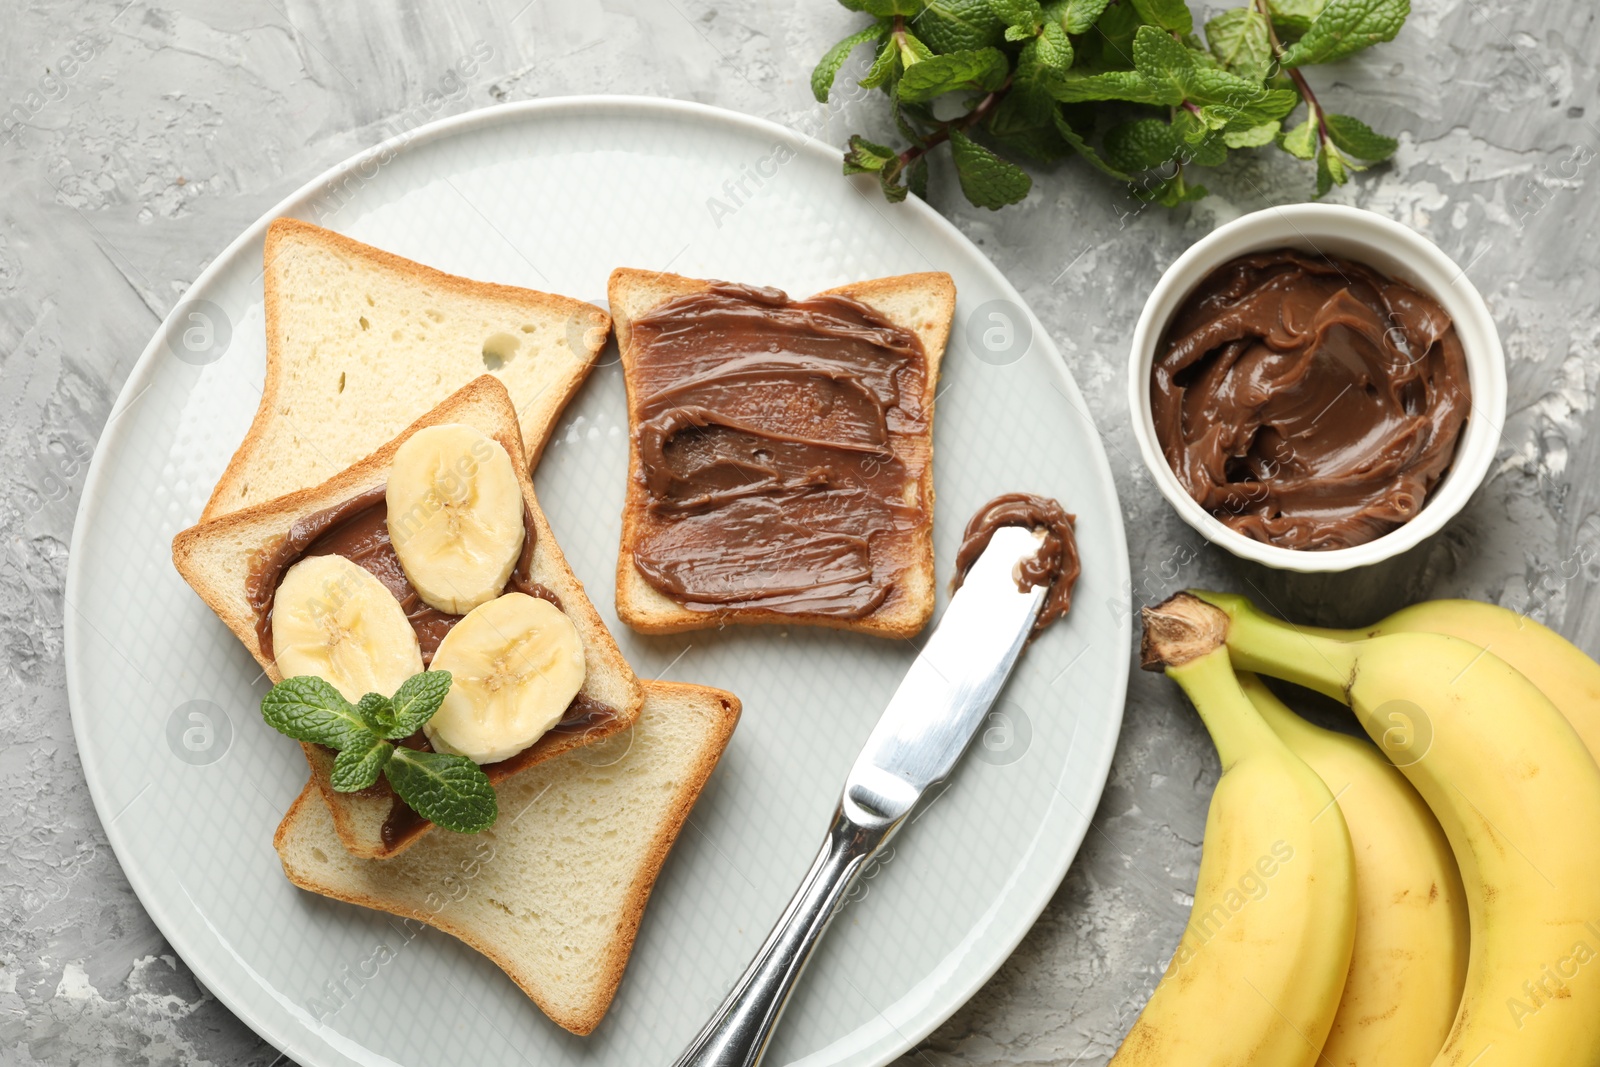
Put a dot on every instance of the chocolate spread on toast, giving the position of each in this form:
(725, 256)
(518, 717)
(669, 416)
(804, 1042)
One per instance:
(781, 447)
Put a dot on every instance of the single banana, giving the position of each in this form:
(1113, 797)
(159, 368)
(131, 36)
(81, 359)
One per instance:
(515, 664)
(1410, 956)
(1257, 976)
(1516, 792)
(455, 515)
(335, 620)
(1559, 668)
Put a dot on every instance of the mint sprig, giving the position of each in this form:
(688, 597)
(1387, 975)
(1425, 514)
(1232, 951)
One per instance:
(1046, 79)
(448, 790)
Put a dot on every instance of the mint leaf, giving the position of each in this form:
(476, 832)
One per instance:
(1140, 145)
(889, 179)
(1205, 147)
(418, 697)
(885, 67)
(307, 708)
(959, 25)
(1293, 17)
(1359, 139)
(1164, 63)
(1116, 27)
(1077, 16)
(917, 178)
(1024, 120)
(1230, 102)
(864, 157)
(1083, 148)
(1331, 170)
(886, 8)
(1042, 63)
(1238, 38)
(912, 51)
(358, 766)
(376, 711)
(1038, 141)
(1052, 49)
(1170, 15)
(1254, 137)
(1115, 85)
(1344, 28)
(986, 179)
(1301, 142)
(1022, 17)
(450, 791)
(982, 69)
(828, 69)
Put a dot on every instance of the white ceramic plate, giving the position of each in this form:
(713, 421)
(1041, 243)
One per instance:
(190, 783)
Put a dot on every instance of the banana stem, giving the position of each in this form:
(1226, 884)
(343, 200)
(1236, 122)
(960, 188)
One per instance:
(1258, 642)
(1236, 728)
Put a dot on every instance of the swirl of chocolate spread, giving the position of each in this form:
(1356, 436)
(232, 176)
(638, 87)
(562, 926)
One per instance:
(781, 447)
(1054, 566)
(1309, 402)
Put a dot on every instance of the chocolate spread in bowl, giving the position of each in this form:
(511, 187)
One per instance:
(782, 446)
(1054, 566)
(1309, 402)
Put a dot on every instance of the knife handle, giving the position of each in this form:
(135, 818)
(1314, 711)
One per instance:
(738, 1033)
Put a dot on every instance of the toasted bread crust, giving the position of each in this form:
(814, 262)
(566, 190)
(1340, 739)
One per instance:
(636, 894)
(910, 604)
(282, 232)
(236, 536)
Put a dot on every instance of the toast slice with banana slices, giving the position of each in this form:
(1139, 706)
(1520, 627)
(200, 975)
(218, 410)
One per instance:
(553, 893)
(924, 305)
(360, 340)
(229, 562)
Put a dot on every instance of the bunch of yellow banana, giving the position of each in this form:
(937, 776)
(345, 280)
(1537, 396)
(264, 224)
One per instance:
(1256, 979)
(1492, 720)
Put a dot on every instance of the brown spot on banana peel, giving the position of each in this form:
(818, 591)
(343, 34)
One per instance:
(1179, 629)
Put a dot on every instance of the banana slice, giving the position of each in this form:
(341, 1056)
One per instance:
(455, 515)
(332, 619)
(516, 663)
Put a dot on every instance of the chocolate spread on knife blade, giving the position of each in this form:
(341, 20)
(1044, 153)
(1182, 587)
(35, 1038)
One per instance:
(782, 446)
(1309, 402)
(358, 530)
(1054, 566)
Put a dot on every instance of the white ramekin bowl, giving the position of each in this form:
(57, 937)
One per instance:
(1390, 248)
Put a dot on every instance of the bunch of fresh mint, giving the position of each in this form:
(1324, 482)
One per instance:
(450, 791)
(1126, 84)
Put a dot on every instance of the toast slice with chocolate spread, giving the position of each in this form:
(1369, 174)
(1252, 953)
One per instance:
(553, 893)
(781, 460)
(233, 562)
(360, 341)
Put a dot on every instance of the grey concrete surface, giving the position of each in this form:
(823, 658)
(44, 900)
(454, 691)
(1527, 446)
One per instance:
(141, 137)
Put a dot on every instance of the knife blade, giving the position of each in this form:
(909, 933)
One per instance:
(928, 724)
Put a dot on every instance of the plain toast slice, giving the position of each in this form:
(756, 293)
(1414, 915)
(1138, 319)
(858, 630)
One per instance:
(554, 891)
(215, 558)
(360, 342)
(923, 303)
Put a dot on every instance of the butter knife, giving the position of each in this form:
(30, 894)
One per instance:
(930, 720)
